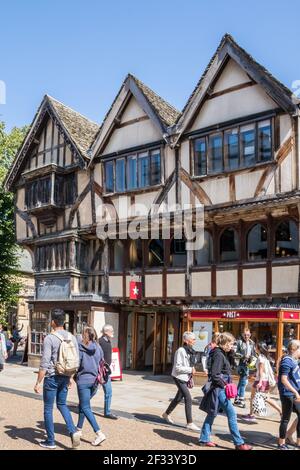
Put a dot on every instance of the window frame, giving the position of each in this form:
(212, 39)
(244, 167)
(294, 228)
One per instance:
(205, 136)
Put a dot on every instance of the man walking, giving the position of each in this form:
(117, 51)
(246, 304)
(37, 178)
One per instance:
(105, 343)
(56, 384)
(245, 351)
(3, 350)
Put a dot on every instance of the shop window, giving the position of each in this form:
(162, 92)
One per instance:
(289, 333)
(156, 253)
(231, 145)
(200, 167)
(136, 254)
(216, 153)
(40, 327)
(131, 172)
(178, 256)
(204, 256)
(248, 144)
(229, 245)
(264, 140)
(120, 175)
(117, 256)
(266, 332)
(286, 239)
(109, 177)
(257, 243)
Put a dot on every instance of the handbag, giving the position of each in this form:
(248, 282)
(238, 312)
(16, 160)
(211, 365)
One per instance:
(231, 390)
(259, 404)
(190, 382)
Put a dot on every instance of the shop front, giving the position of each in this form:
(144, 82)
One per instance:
(273, 326)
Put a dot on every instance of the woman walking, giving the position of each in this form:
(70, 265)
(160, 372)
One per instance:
(90, 355)
(183, 370)
(3, 351)
(215, 397)
(264, 380)
(289, 391)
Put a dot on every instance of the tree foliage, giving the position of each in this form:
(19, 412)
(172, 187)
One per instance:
(9, 286)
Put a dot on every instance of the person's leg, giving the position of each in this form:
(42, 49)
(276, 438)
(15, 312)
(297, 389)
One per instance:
(287, 408)
(227, 406)
(291, 430)
(187, 402)
(206, 429)
(272, 403)
(85, 393)
(61, 402)
(253, 390)
(80, 412)
(296, 409)
(177, 399)
(49, 394)
(107, 388)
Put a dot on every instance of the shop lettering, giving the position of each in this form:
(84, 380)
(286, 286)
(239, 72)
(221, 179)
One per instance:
(231, 315)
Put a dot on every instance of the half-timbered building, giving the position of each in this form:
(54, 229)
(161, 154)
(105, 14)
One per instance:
(233, 150)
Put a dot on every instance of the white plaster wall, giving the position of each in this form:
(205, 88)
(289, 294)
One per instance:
(185, 155)
(100, 318)
(254, 281)
(132, 111)
(85, 211)
(227, 282)
(246, 183)
(201, 284)
(232, 75)
(286, 172)
(115, 286)
(153, 285)
(169, 161)
(97, 174)
(68, 156)
(233, 105)
(21, 199)
(285, 127)
(133, 135)
(185, 195)
(20, 228)
(285, 279)
(217, 189)
(175, 285)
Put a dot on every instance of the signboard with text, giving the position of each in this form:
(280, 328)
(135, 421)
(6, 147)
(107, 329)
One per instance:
(116, 370)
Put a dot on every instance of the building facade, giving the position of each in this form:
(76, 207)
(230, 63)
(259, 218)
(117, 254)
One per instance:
(233, 152)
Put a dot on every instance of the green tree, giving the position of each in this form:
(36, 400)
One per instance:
(9, 285)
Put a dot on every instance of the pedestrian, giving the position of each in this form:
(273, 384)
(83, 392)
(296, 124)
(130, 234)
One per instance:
(215, 397)
(207, 352)
(264, 381)
(289, 392)
(245, 351)
(59, 348)
(90, 355)
(182, 373)
(3, 350)
(16, 337)
(105, 343)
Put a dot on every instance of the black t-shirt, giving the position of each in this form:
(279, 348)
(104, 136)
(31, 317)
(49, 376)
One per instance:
(106, 348)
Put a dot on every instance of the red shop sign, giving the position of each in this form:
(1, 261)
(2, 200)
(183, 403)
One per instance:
(135, 290)
(234, 314)
(291, 315)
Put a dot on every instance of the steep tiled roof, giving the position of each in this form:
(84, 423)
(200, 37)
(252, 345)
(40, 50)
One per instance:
(81, 130)
(227, 38)
(167, 113)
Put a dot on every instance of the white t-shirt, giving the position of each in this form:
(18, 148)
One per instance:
(262, 360)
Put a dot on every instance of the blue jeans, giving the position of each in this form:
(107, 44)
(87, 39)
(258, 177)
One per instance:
(243, 372)
(227, 406)
(56, 388)
(85, 394)
(107, 396)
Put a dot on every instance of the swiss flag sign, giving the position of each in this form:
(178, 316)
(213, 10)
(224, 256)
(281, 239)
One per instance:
(135, 290)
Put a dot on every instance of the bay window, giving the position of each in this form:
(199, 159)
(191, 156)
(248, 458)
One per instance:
(132, 172)
(232, 148)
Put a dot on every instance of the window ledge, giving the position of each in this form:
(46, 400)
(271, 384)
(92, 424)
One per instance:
(147, 189)
(245, 169)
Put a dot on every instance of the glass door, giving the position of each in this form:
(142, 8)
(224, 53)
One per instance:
(141, 329)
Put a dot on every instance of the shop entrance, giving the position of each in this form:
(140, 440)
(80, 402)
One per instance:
(152, 339)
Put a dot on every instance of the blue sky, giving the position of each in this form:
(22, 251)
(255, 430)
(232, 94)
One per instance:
(80, 51)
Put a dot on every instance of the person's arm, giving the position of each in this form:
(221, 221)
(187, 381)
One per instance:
(261, 370)
(288, 386)
(45, 363)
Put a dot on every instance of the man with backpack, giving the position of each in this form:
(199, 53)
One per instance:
(60, 361)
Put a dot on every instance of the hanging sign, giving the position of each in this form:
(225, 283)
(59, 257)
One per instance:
(116, 370)
(135, 290)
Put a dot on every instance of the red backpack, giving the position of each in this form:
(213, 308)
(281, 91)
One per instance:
(104, 372)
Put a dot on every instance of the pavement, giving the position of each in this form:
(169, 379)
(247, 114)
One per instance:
(139, 400)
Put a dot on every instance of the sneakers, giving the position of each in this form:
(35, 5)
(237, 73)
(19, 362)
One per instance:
(207, 444)
(192, 427)
(283, 447)
(243, 447)
(75, 438)
(47, 445)
(100, 437)
(167, 418)
(250, 419)
(240, 402)
(111, 416)
(79, 432)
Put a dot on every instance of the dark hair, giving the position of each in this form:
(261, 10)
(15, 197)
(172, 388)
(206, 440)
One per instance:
(58, 317)
(90, 332)
(263, 348)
